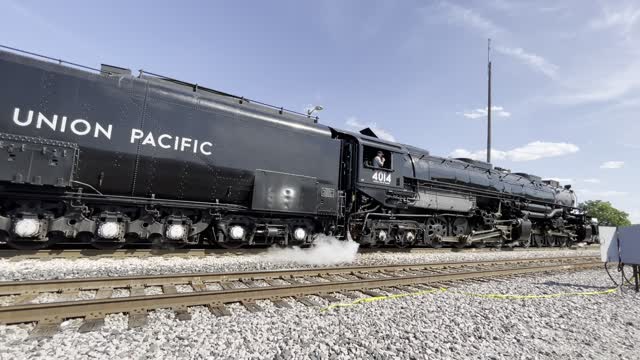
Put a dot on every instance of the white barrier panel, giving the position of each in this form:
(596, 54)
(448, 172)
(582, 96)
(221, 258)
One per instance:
(608, 247)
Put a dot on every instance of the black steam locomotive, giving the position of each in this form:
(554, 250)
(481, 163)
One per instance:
(108, 158)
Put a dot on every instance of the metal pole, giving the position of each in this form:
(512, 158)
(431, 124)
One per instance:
(489, 101)
(636, 275)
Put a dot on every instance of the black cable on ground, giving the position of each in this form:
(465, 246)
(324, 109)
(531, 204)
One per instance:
(608, 273)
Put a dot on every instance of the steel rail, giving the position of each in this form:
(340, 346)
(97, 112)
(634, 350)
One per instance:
(123, 253)
(39, 286)
(98, 308)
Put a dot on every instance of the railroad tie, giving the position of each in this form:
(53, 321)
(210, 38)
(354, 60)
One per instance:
(329, 298)
(136, 291)
(219, 310)
(392, 290)
(349, 294)
(45, 329)
(272, 282)
(91, 324)
(249, 283)
(307, 301)
(226, 285)
(68, 295)
(371, 293)
(198, 286)
(251, 306)
(169, 289)
(404, 288)
(182, 314)
(137, 319)
(104, 293)
(281, 303)
(25, 298)
(359, 276)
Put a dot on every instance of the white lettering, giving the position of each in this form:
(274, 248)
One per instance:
(85, 123)
(63, 126)
(195, 146)
(16, 117)
(175, 147)
(100, 129)
(136, 135)
(202, 150)
(186, 142)
(162, 145)
(51, 124)
(149, 140)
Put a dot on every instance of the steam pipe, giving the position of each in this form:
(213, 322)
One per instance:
(538, 215)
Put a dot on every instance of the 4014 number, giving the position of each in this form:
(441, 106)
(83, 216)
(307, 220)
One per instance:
(381, 177)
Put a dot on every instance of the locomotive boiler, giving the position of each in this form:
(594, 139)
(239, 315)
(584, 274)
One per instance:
(108, 158)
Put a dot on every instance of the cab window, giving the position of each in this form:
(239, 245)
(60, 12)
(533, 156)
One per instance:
(376, 158)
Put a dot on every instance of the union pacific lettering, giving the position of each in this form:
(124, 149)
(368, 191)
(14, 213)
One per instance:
(82, 127)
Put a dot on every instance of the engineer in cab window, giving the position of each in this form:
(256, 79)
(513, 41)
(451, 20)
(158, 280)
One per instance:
(378, 161)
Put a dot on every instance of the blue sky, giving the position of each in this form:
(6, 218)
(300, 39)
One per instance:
(566, 73)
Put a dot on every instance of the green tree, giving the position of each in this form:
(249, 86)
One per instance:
(605, 213)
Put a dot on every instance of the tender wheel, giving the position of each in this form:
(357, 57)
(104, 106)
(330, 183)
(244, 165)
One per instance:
(26, 244)
(107, 245)
(98, 243)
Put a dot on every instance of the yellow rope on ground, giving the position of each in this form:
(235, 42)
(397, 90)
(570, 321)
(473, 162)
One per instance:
(385, 297)
(486, 296)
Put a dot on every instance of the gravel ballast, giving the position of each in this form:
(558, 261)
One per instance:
(74, 268)
(452, 324)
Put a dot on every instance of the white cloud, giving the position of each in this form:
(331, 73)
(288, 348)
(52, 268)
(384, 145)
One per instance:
(531, 151)
(354, 124)
(482, 113)
(599, 194)
(468, 17)
(623, 20)
(592, 181)
(612, 165)
(534, 61)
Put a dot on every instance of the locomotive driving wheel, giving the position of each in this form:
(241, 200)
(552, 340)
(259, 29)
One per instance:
(436, 230)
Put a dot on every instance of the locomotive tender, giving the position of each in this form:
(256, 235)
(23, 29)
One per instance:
(109, 158)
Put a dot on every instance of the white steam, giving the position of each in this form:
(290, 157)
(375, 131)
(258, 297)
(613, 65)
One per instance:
(326, 250)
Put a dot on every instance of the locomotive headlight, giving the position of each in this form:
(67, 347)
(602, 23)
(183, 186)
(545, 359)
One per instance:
(410, 236)
(27, 227)
(236, 232)
(109, 230)
(176, 231)
(300, 234)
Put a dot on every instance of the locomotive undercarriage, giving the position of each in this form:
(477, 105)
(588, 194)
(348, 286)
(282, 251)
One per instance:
(35, 222)
(502, 223)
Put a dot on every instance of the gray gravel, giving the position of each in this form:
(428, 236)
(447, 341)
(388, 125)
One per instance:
(443, 325)
(73, 268)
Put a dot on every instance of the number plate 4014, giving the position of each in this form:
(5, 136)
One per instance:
(381, 177)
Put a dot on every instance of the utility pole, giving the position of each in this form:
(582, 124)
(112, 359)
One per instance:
(489, 101)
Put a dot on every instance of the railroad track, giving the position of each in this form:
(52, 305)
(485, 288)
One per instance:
(199, 252)
(214, 290)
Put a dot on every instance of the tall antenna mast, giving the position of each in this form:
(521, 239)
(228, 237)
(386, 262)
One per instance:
(489, 101)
